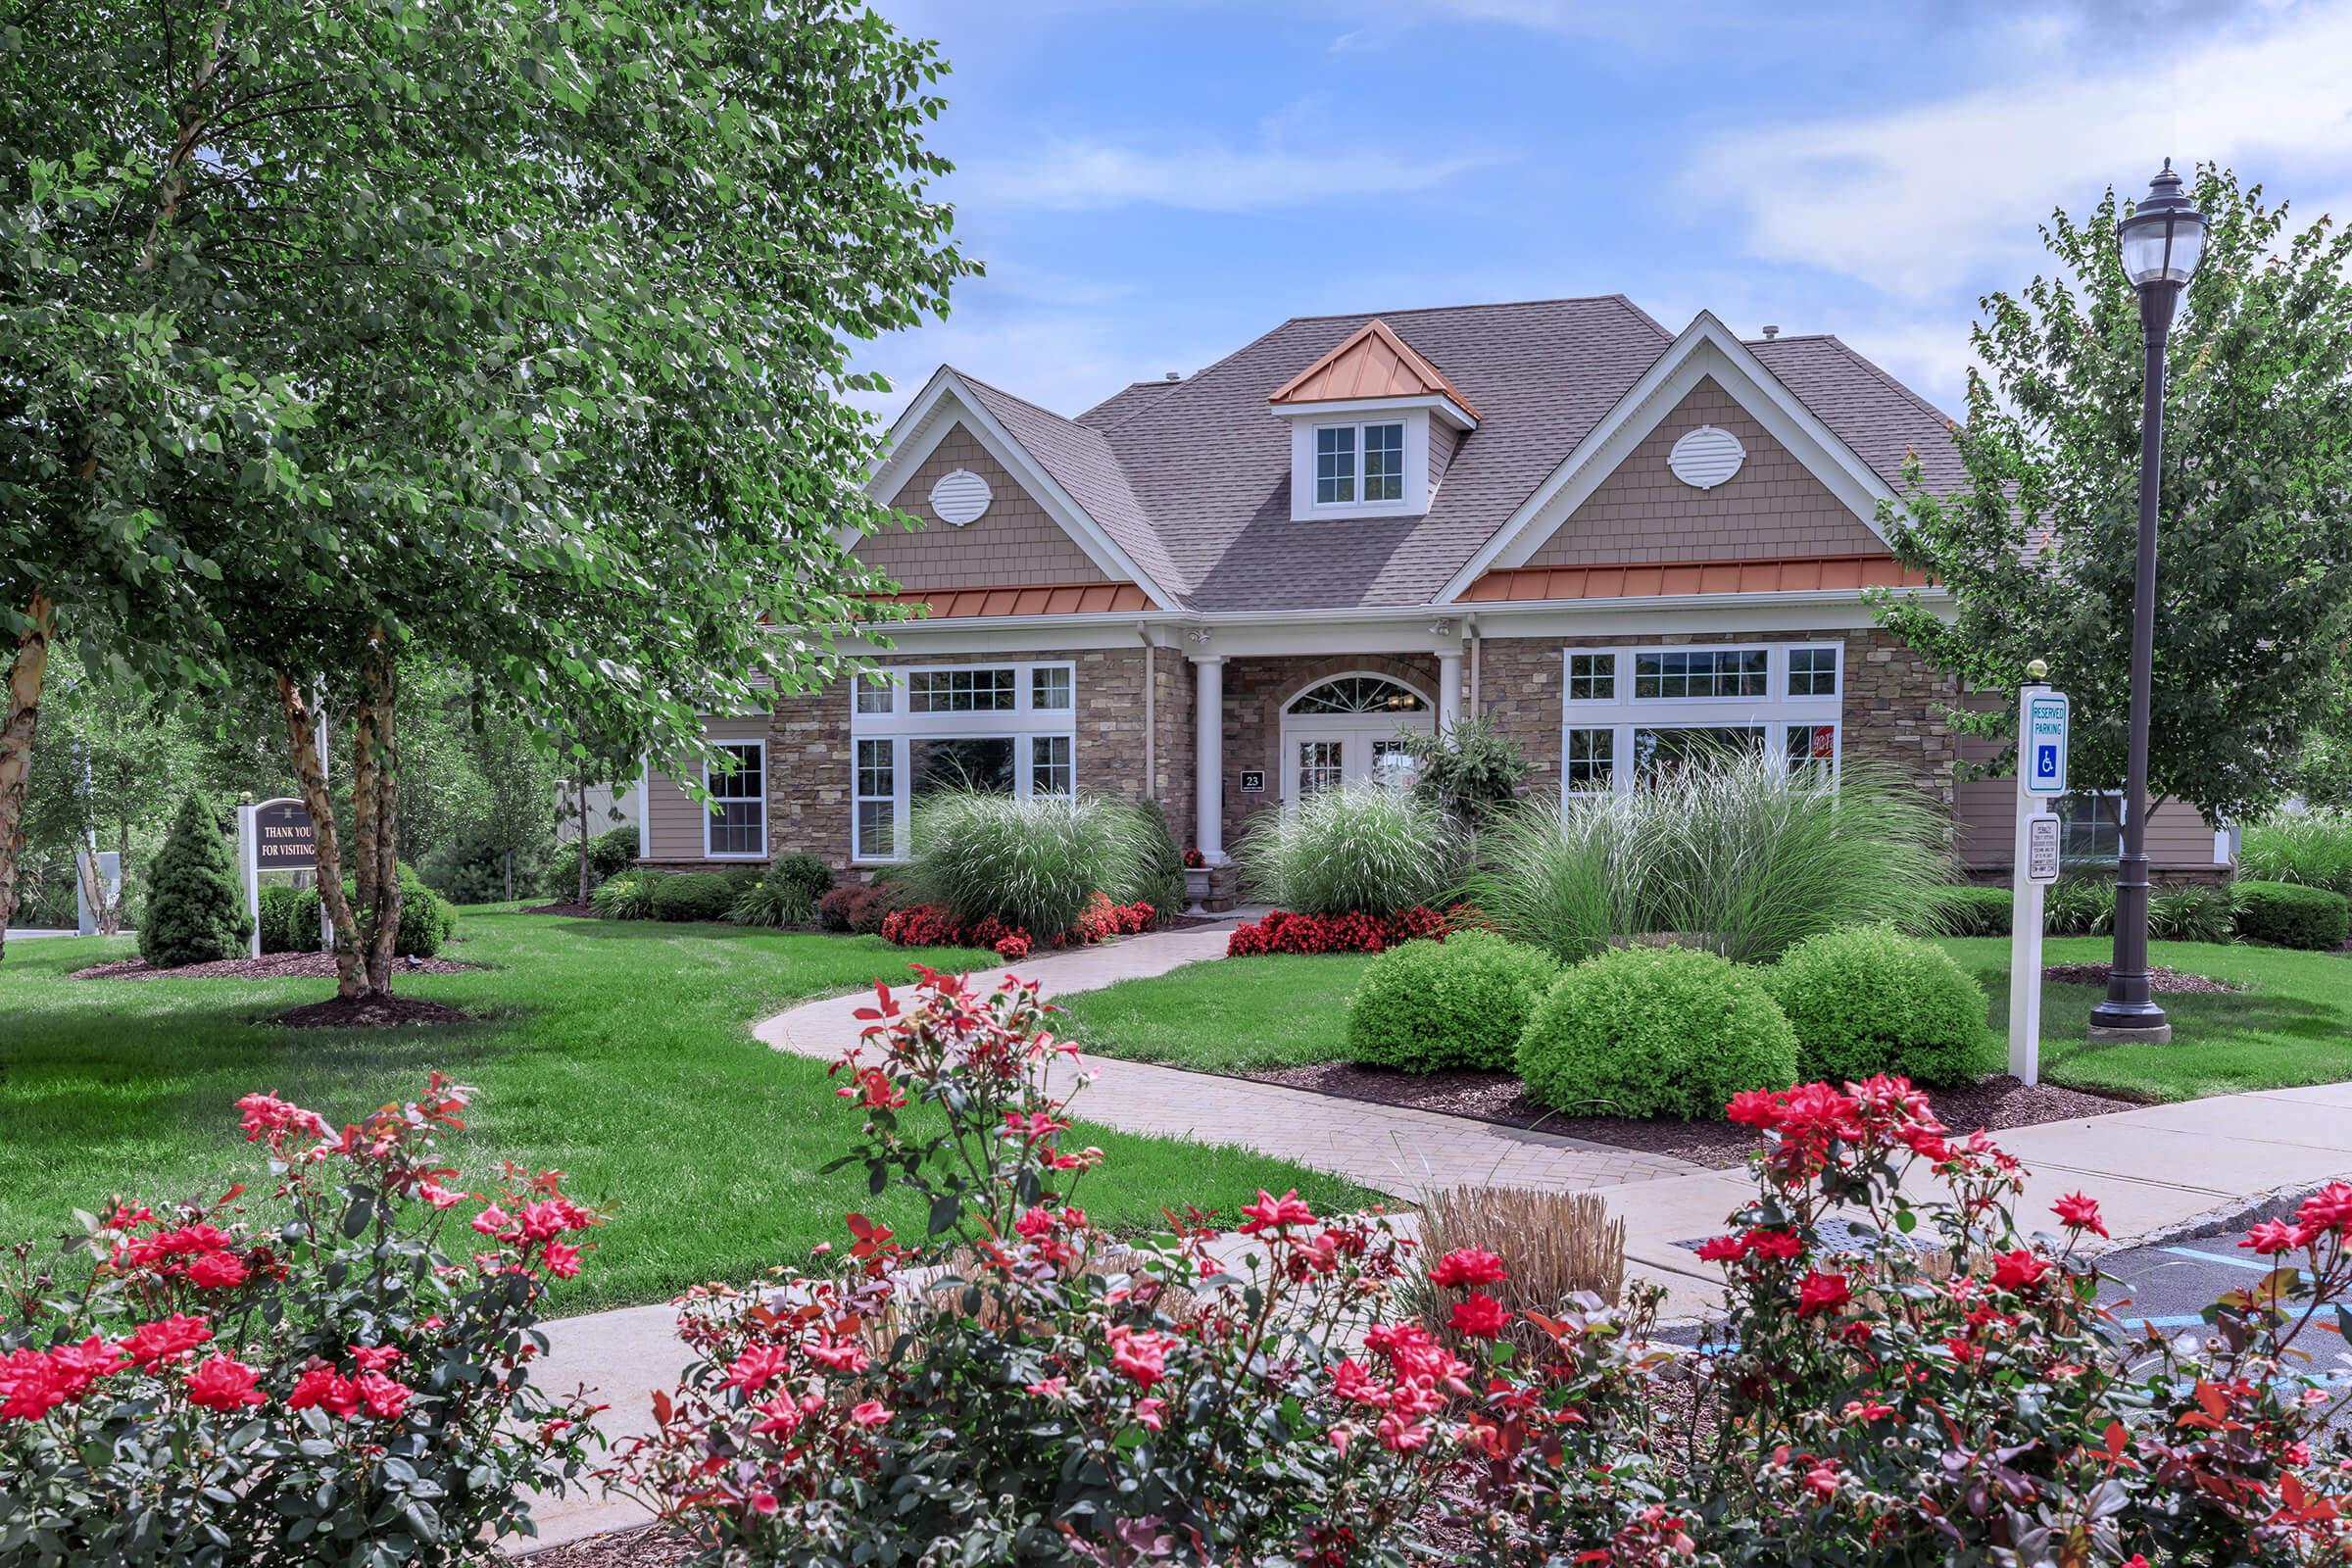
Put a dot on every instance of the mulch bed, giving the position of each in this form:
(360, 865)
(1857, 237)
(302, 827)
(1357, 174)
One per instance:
(369, 1012)
(648, 1546)
(574, 910)
(268, 967)
(2160, 978)
(1995, 1104)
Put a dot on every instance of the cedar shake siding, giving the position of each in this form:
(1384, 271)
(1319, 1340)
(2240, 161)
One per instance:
(673, 820)
(1771, 507)
(2180, 841)
(1014, 543)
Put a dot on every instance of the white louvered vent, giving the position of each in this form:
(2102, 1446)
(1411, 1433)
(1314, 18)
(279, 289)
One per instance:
(959, 497)
(1706, 456)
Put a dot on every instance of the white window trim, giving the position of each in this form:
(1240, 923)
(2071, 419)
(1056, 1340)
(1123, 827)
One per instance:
(1411, 502)
(759, 771)
(1022, 723)
(1776, 712)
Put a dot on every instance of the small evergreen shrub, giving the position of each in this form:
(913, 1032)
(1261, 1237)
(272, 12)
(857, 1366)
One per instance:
(1471, 768)
(1160, 879)
(611, 852)
(2292, 915)
(2191, 911)
(426, 919)
(1463, 1002)
(693, 896)
(1969, 912)
(1655, 1032)
(195, 907)
(798, 869)
(773, 902)
(629, 895)
(289, 919)
(1868, 999)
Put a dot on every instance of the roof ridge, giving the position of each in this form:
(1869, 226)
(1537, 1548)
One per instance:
(1886, 377)
(1486, 305)
(1163, 383)
(1026, 403)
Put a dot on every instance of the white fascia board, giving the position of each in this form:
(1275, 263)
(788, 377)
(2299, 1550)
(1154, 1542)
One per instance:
(945, 401)
(1706, 347)
(1437, 403)
(1010, 635)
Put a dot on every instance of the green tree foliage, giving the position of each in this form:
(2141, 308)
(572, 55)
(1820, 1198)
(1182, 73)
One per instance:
(2254, 598)
(565, 307)
(1472, 769)
(195, 907)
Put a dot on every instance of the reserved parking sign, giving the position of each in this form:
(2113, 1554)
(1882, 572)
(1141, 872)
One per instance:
(2041, 743)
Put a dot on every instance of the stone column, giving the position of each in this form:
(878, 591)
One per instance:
(1208, 757)
(1449, 691)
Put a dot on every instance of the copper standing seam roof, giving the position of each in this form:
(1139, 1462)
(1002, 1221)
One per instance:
(1637, 580)
(1033, 599)
(1372, 363)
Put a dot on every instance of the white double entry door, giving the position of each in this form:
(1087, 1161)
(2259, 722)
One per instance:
(1320, 751)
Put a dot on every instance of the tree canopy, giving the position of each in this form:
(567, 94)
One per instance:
(2254, 593)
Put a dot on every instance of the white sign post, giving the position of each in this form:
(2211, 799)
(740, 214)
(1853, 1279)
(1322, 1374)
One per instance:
(2040, 778)
(249, 872)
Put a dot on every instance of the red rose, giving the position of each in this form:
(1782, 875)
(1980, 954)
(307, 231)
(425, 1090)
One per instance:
(1481, 1318)
(1468, 1265)
(223, 1383)
(1823, 1292)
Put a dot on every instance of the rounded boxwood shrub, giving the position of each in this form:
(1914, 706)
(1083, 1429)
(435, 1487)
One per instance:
(1869, 1000)
(195, 906)
(2292, 915)
(426, 919)
(694, 896)
(1969, 913)
(1462, 1002)
(798, 869)
(289, 919)
(1655, 1032)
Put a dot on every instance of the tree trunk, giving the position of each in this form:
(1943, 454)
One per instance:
(26, 668)
(381, 677)
(510, 866)
(580, 800)
(351, 980)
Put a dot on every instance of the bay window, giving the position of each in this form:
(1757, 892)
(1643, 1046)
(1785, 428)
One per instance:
(1007, 729)
(1636, 715)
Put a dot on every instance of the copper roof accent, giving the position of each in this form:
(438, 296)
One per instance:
(1643, 579)
(1373, 363)
(1030, 598)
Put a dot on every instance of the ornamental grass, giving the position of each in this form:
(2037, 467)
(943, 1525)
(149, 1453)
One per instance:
(1032, 865)
(1353, 849)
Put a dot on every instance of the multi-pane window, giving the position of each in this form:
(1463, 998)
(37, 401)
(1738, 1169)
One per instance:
(877, 801)
(1701, 673)
(1049, 686)
(973, 689)
(1392, 763)
(1335, 465)
(875, 690)
(1813, 746)
(1591, 678)
(1591, 758)
(2090, 826)
(1813, 673)
(1384, 462)
(738, 821)
(1320, 765)
(1051, 772)
(1666, 752)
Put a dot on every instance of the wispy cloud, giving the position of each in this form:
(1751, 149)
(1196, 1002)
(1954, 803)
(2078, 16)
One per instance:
(1078, 175)
(1923, 199)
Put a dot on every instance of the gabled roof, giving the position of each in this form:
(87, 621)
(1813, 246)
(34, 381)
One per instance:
(1373, 363)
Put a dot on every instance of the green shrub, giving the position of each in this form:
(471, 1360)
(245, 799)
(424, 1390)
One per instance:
(2313, 848)
(1354, 847)
(884, 896)
(2191, 911)
(426, 919)
(693, 896)
(471, 869)
(1462, 1002)
(1966, 912)
(1031, 863)
(1732, 853)
(773, 901)
(195, 903)
(611, 852)
(629, 896)
(2292, 915)
(1471, 768)
(2080, 906)
(798, 869)
(1868, 999)
(289, 919)
(1655, 1032)
(1159, 864)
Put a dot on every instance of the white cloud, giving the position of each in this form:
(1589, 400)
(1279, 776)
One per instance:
(1206, 177)
(1934, 197)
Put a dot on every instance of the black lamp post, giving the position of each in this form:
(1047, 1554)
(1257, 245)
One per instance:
(2161, 242)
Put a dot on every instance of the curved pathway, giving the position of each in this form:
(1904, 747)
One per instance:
(1391, 1149)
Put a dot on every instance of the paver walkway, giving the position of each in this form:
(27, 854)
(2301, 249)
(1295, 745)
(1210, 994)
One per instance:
(1388, 1147)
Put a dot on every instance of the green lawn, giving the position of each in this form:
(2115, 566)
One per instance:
(620, 1054)
(2292, 1026)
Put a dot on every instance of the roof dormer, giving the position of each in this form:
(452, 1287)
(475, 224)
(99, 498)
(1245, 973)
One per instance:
(1364, 418)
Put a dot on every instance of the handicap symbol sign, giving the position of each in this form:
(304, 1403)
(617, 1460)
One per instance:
(2041, 732)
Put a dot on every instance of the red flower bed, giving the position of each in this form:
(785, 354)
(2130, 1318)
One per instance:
(1282, 931)
(926, 926)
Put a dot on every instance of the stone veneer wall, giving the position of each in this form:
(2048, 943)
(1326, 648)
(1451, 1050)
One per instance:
(809, 755)
(1892, 709)
(1256, 689)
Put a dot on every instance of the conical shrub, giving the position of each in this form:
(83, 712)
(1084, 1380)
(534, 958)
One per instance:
(195, 909)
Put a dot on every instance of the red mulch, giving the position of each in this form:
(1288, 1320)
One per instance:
(369, 1012)
(650, 1546)
(268, 967)
(2160, 978)
(574, 911)
(1996, 1103)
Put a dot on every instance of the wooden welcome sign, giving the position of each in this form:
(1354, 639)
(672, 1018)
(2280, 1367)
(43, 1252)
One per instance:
(282, 837)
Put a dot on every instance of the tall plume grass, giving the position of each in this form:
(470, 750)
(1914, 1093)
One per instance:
(1031, 863)
(1354, 846)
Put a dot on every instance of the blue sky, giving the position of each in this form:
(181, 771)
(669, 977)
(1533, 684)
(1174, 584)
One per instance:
(1151, 185)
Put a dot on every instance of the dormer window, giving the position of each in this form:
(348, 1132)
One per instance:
(1340, 481)
(1364, 418)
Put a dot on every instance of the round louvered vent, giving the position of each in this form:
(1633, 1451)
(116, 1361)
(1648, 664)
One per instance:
(1706, 456)
(959, 497)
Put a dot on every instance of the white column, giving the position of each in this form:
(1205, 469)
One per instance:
(1208, 758)
(1450, 690)
(249, 875)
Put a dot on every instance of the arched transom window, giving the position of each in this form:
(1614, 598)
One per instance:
(1359, 694)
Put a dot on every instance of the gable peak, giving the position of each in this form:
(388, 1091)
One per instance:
(1373, 362)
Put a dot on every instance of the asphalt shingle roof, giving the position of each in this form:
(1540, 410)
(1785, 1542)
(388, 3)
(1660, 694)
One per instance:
(1193, 477)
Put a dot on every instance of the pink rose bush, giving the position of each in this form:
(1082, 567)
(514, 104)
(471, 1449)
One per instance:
(338, 1371)
(1017, 1386)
